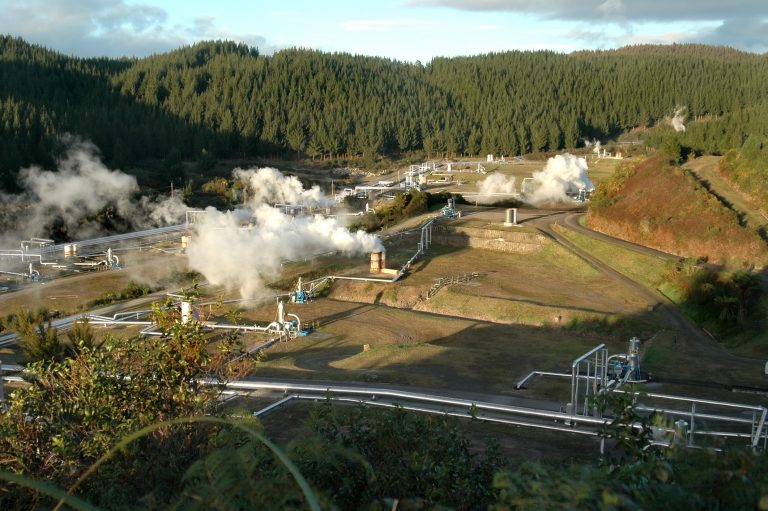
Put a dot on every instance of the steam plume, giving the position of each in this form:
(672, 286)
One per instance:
(246, 257)
(269, 185)
(563, 174)
(82, 188)
(678, 118)
(495, 184)
(589, 143)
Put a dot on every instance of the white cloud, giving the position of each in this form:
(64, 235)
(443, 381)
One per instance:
(112, 28)
(741, 23)
(645, 10)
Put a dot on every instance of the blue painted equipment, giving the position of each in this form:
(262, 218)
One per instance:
(449, 211)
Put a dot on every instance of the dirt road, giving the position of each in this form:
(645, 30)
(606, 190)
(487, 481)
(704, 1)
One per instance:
(696, 341)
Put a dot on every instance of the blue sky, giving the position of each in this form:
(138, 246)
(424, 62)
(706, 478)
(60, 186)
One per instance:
(401, 29)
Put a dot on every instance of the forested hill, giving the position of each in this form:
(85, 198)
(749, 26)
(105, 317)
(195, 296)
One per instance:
(227, 99)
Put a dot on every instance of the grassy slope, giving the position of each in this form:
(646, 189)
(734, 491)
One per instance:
(659, 274)
(645, 269)
(664, 207)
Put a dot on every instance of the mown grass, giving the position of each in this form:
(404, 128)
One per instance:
(648, 270)
(454, 302)
(664, 276)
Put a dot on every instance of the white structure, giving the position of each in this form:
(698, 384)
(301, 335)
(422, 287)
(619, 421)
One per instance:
(186, 312)
(511, 218)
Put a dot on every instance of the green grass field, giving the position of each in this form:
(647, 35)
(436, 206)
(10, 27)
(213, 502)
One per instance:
(645, 269)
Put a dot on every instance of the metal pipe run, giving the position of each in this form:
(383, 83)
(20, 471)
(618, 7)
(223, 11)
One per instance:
(274, 406)
(521, 384)
(467, 415)
(684, 399)
(375, 393)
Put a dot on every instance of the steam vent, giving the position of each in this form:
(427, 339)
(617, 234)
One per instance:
(378, 261)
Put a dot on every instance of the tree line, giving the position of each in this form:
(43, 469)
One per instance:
(228, 100)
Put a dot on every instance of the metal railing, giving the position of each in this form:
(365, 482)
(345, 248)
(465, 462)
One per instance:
(450, 281)
(595, 377)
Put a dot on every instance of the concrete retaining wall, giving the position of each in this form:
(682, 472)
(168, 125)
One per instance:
(489, 239)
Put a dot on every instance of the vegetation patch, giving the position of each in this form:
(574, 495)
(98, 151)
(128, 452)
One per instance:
(731, 305)
(662, 206)
(404, 205)
(129, 292)
(748, 169)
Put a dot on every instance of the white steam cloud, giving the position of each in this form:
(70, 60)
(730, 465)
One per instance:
(563, 174)
(589, 143)
(82, 188)
(242, 250)
(678, 118)
(492, 186)
(269, 185)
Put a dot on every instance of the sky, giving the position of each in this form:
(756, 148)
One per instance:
(406, 30)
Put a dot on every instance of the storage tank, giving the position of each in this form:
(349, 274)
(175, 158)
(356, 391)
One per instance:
(511, 217)
(378, 261)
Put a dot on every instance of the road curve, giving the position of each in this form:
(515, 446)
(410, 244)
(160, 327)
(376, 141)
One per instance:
(572, 222)
(680, 321)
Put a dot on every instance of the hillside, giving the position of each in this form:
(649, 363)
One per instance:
(692, 50)
(227, 100)
(664, 207)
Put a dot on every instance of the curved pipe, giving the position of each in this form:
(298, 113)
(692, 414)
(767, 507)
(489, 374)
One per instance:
(298, 321)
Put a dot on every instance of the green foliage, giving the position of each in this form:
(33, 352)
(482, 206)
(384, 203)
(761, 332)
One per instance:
(725, 303)
(608, 191)
(404, 205)
(132, 290)
(220, 99)
(684, 479)
(672, 151)
(38, 339)
(423, 458)
(629, 429)
(205, 162)
(354, 459)
(81, 337)
(242, 476)
(217, 185)
(748, 168)
(75, 409)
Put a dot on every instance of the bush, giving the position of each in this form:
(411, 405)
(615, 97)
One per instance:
(726, 303)
(129, 292)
